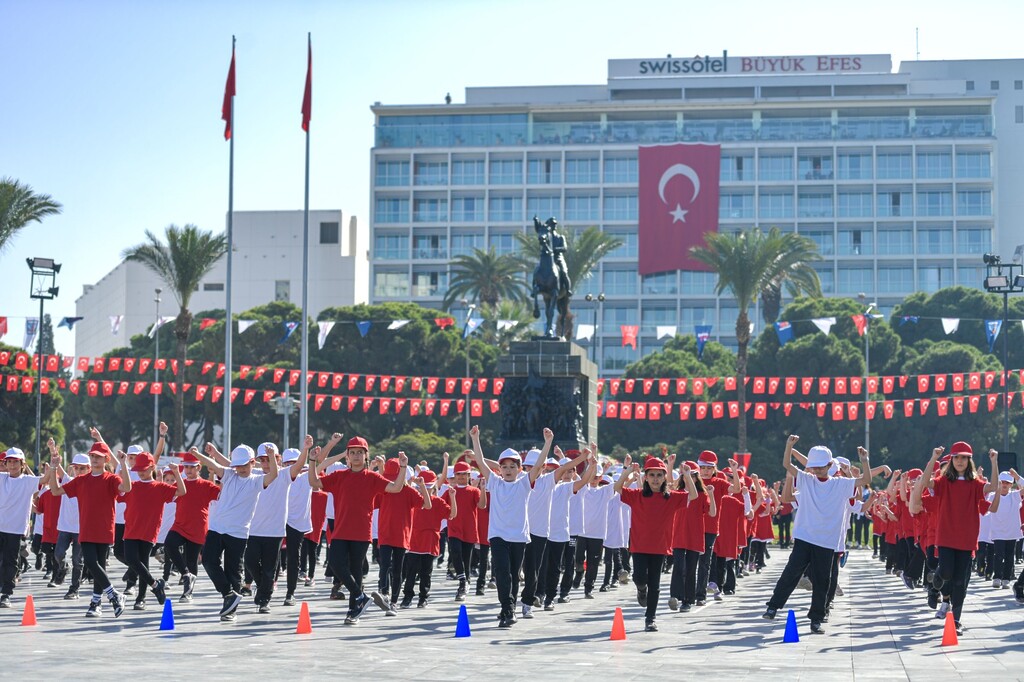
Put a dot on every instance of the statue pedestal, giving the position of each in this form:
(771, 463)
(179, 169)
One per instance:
(548, 383)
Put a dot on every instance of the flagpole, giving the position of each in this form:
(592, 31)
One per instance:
(304, 363)
(227, 286)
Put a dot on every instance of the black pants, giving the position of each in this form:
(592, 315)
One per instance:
(418, 567)
(569, 567)
(346, 558)
(293, 546)
(592, 556)
(785, 530)
(506, 563)
(647, 573)
(183, 553)
(10, 548)
(442, 544)
(390, 563)
(94, 556)
(308, 556)
(890, 556)
(955, 569)
(532, 561)
(684, 575)
(130, 576)
(136, 553)
(723, 573)
(704, 566)
(833, 581)
(66, 541)
(555, 560)
(1002, 555)
(984, 559)
(462, 556)
(262, 555)
(861, 530)
(226, 576)
(804, 556)
(483, 553)
(757, 549)
(612, 564)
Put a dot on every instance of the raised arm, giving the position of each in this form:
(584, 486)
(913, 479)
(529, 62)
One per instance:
(273, 470)
(915, 503)
(209, 460)
(588, 474)
(331, 442)
(787, 455)
(422, 487)
(451, 503)
(161, 442)
(296, 468)
(442, 476)
(560, 471)
(125, 475)
(993, 481)
(865, 468)
(788, 495)
(628, 471)
(478, 453)
(691, 489)
(535, 472)
(179, 481)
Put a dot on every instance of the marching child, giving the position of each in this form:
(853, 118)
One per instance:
(425, 540)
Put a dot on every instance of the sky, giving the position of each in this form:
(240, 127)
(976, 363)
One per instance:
(113, 107)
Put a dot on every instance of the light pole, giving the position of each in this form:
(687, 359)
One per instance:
(1004, 279)
(600, 304)
(867, 367)
(43, 288)
(156, 396)
(470, 307)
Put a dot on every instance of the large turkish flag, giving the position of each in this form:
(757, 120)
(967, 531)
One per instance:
(678, 203)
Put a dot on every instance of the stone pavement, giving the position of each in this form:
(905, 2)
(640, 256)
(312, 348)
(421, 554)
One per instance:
(878, 630)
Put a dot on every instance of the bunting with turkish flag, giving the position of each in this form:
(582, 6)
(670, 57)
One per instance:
(678, 204)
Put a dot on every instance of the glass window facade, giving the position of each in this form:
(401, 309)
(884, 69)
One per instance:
(468, 209)
(974, 202)
(429, 210)
(855, 204)
(775, 204)
(775, 166)
(736, 167)
(391, 210)
(895, 203)
(621, 170)
(813, 203)
(468, 172)
(620, 207)
(463, 244)
(630, 244)
(935, 240)
(431, 173)
(973, 240)
(391, 246)
(856, 242)
(582, 171)
(620, 282)
(934, 165)
(735, 205)
(584, 208)
(429, 246)
(899, 242)
(544, 206)
(894, 166)
(505, 208)
(392, 174)
(546, 171)
(506, 172)
(973, 165)
(856, 165)
(661, 283)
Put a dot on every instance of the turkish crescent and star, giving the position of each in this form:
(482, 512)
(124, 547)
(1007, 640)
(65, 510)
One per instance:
(679, 213)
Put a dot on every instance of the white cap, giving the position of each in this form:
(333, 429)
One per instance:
(241, 456)
(1006, 476)
(473, 475)
(552, 462)
(833, 468)
(607, 479)
(532, 457)
(509, 453)
(289, 456)
(451, 472)
(134, 450)
(80, 459)
(15, 453)
(261, 449)
(819, 456)
(564, 461)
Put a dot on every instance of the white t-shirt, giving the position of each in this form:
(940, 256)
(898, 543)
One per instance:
(271, 512)
(824, 508)
(300, 503)
(16, 502)
(851, 511)
(558, 524)
(37, 525)
(595, 510)
(166, 521)
(236, 504)
(337, 466)
(985, 526)
(576, 512)
(1004, 524)
(374, 517)
(616, 523)
(67, 522)
(119, 506)
(540, 504)
(508, 519)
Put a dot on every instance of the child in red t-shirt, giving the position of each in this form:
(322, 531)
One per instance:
(688, 540)
(394, 529)
(425, 540)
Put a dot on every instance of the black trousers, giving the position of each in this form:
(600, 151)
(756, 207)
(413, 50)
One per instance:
(785, 523)
(833, 581)
(506, 563)
(390, 564)
(804, 556)
(723, 573)
(861, 530)
(222, 559)
(483, 553)
(308, 557)
(183, 553)
(592, 556)
(418, 567)
(462, 556)
(684, 575)
(555, 561)
(262, 556)
(293, 547)
(1002, 555)
(10, 548)
(94, 556)
(955, 569)
(533, 560)
(346, 558)
(647, 573)
(130, 576)
(136, 553)
(704, 566)
(757, 548)
(612, 564)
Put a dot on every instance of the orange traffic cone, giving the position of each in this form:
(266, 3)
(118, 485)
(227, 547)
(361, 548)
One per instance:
(618, 625)
(949, 632)
(29, 617)
(305, 627)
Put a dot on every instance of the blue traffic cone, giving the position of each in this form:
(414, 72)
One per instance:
(462, 628)
(791, 636)
(167, 620)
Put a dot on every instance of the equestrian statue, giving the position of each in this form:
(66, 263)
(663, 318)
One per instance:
(551, 279)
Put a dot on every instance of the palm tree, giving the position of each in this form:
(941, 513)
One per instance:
(519, 314)
(19, 206)
(749, 263)
(187, 257)
(486, 277)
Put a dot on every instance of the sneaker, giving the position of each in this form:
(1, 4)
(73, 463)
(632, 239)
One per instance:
(1018, 591)
(95, 610)
(805, 583)
(817, 628)
(480, 591)
(624, 576)
(603, 588)
(185, 599)
(769, 613)
(549, 606)
(406, 602)
(933, 599)
(363, 603)
(336, 593)
(391, 611)
(1006, 583)
(310, 582)
(684, 608)
(379, 601)
(460, 594)
(839, 591)
(641, 595)
(943, 609)
(537, 602)
(701, 602)
(728, 593)
(673, 604)
(117, 602)
(51, 584)
(188, 582)
(246, 591)
(140, 605)
(564, 599)
(289, 600)
(351, 619)
(651, 626)
(504, 622)
(421, 603)
(960, 629)
(491, 585)
(717, 596)
(589, 594)
(5, 601)
(908, 581)
(160, 591)
(231, 602)
(264, 608)
(527, 611)
(71, 595)
(997, 583)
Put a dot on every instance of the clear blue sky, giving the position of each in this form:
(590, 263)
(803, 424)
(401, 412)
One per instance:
(113, 107)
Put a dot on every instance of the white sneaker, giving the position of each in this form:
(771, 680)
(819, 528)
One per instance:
(805, 583)
(942, 610)
(839, 591)
(997, 583)
(527, 611)
(1006, 583)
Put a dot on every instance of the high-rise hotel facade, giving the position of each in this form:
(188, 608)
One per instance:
(903, 178)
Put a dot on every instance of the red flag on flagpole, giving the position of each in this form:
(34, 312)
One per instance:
(307, 96)
(229, 94)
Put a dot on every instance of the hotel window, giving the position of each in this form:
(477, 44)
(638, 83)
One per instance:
(970, 85)
(824, 240)
(689, 317)
(391, 247)
(468, 172)
(390, 284)
(427, 246)
(934, 165)
(855, 242)
(630, 242)
(467, 209)
(620, 207)
(970, 277)
(506, 172)
(895, 203)
(727, 317)
(973, 165)
(430, 210)
(658, 314)
(463, 244)
(392, 210)
(736, 167)
(932, 278)
(507, 209)
(994, 85)
(583, 208)
(895, 166)
(974, 202)
(617, 357)
(431, 173)
(213, 286)
(935, 203)
(855, 204)
(698, 282)
(660, 283)
(973, 240)
(282, 290)
(582, 171)
(1018, 114)
(934, 241)
(855, 280)
(736, 205)
(620, 282)
(855, 166)
(775, 167)
(827, 279)
(1018, 85)
(502, 242)
(895, 280)
(621, 170)
(895, 242)
(615, 315)
(814, 204)
(429, 283)
(544, 171)
(544, 206)
(392, 174)
(814, 167)
(774, 205)
(329, 233)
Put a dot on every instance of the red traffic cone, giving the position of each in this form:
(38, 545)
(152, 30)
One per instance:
(305, 627)
(949, 632)
(29, 617)
(618, 625)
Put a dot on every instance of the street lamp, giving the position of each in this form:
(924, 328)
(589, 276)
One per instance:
(867, 366)
(1004, 279)
(600, 304)
(43, 288)
(470, 307)
(156, 396)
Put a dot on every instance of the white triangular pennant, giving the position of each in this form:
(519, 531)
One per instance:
(950, 324)
(397, 324)
(115, 324)
(508, 324)
(585, 331)
(824, 324)
(325, 329)
(245, 324)
(666, 330)
(31, 331)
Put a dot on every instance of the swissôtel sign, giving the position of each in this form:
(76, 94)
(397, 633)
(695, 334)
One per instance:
(724, 65)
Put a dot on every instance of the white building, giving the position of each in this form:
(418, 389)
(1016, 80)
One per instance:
(267, 266)
(904, 178)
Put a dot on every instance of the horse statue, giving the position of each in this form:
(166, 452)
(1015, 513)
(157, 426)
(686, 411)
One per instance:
(550, 281)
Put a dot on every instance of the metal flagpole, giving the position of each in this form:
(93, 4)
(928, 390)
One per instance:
(228, 324)
(304, 363)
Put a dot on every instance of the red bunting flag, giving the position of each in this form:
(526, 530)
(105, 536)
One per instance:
(207, 366)
(654, 411)
(730, 383)
(942, 406)
(806, 383)
(680, 386)
(140, 386)
(940, 382)
(958, 405)
(872, 384)
(260, 371)
(922, 383)
(990, 377)
(201, 392)
(823, 385)
(684, 411)
(611, 410)
(759, 385)
(322, 378)
(973, 381)
(773, 384)
(852, 410)
(367, 404)
(613, 384)
(663, 385)
(838, 411)
(888, 385)
(74, 385)
(28, 386)
(698, 387)
(444, 406)
(701, 410)
(206, 323)
(371, 379)
(353, 381)
(908, 408)
(384, 405)
(385, 383)
(498, 384)
(840, 385)
(83, 364)
(860, 322)
(336, 379)
(431, 385)
(648, 384)
(216, 393)
(481, 385)
(958, 382)
(640, 410)
(268, 396)
(5, 355)
(870, 408)
(352, 402)
(760, 411)
(97, 365)
(925, 402)
(414, 406)
(820, 409)
(717, 410)
(318, 402)
(629, 384)
(336, 402)
(495, 405)
(122, 387)
(467, 386)
(625, 410)
(450, 384)
(856, 385)
(888, 408)
(629, 332)
(248, 396)
(992, 401)
(790, 385)
(444, 322)
(293, 377)
(476, 408)
(734, 410)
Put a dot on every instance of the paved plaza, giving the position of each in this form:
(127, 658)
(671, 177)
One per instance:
(878, 630)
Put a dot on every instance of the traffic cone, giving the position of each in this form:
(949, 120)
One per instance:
(167, 620)
(949, 632)
(618, 625)
(462, 627)
(29, 617)
(305, 627)
(791, 636)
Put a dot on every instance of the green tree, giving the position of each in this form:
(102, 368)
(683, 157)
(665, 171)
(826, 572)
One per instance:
(748, 263)
(19, 206)
(516, 312)
(485, 277)
(189, 254)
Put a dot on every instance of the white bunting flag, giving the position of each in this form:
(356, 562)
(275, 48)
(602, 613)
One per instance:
(325, 329)
(159, 323)
(245, 324)
(508, 324)
(824, 324)
(585, 331)
(115, 324)
(950, 324)
(666, 330)
(31, 330)
(397, 324)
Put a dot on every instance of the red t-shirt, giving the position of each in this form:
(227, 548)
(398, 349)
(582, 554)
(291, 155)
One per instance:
(192, 513)
(688, 524)
(426, 527)
(720, 485)
(394, 525)
(649, 531)
(463, 526)
(957, 522)
(483, 522)
(317, 514)
(144, 509)
(49, 507)
(763, 529)
(930, 505)
(730, 511)
(96, 495)
(353, 501)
